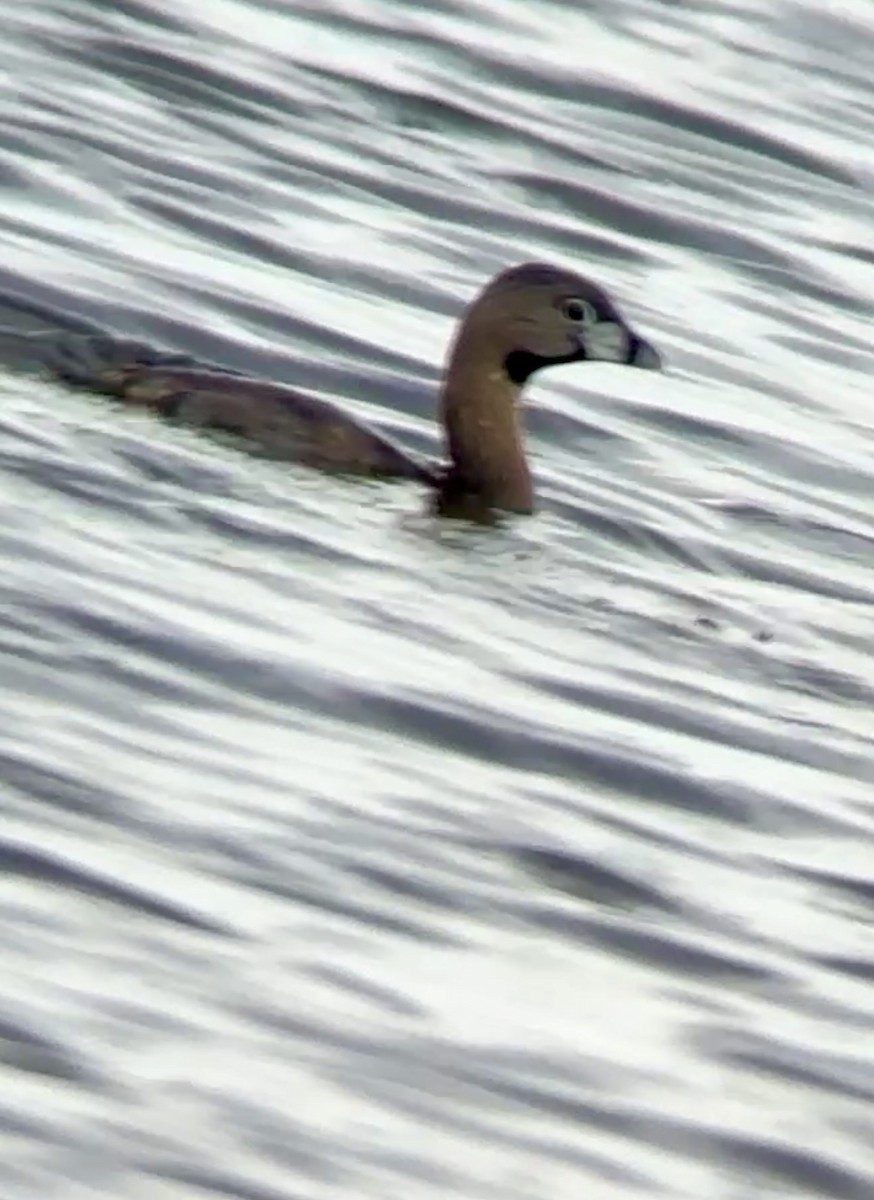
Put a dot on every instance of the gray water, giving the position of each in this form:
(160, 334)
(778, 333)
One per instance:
(348, 853)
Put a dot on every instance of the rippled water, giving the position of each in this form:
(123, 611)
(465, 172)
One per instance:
(349, 854)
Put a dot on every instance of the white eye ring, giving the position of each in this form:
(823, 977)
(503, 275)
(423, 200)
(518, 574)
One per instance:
(581, 312)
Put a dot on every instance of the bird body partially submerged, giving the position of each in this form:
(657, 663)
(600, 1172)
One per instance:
(527, 318)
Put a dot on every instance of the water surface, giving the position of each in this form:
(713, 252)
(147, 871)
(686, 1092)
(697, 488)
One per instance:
(349, 854)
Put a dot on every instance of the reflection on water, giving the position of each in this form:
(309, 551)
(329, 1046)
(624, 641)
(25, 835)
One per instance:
(348, 853)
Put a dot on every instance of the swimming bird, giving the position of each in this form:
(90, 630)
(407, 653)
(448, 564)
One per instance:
(528, 317)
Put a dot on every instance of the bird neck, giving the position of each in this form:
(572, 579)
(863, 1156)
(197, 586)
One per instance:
(479, 408)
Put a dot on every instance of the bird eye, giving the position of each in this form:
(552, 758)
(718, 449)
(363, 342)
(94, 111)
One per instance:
(581, 312)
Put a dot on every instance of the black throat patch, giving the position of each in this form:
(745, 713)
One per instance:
(520, 365)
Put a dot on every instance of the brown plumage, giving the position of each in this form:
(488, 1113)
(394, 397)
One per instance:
(528, 317)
